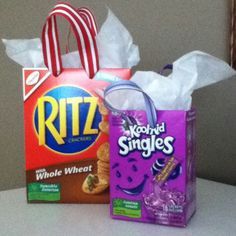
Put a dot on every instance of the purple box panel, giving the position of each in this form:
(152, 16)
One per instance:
(153, 168)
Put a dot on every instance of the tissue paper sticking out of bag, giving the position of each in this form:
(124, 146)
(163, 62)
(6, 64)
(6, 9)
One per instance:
(115, 46)
(174, 92)
(25, 52)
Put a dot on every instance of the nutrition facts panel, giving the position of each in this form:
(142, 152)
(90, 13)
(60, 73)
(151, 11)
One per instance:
(216, 215)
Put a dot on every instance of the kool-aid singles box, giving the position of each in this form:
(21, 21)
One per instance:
(66, 136)
(153, 168)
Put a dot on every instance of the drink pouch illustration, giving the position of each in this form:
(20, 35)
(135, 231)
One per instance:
(170, 169)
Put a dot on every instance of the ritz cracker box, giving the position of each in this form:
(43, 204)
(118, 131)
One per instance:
(153, 172)
(66, 123)
(66, 137)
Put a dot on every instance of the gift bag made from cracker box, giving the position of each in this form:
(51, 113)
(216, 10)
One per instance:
(66, 126)
(153, 143)
(152, 163)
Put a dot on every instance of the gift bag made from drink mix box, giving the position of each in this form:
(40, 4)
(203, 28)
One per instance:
(152, 162)
(66, 124)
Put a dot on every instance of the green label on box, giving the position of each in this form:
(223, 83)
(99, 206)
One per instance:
(127, 208)
(44, 192)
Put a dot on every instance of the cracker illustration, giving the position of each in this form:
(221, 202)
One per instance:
(102, 109)
(104, 126)
(104, 176)
(94, 184)
(103, 171)
(103, 164)
(103, 152)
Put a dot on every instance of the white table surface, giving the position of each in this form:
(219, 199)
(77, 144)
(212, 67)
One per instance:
(216, 215)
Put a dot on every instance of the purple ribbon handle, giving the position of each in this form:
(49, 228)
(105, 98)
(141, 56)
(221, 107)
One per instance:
(166, 67)
(129, 85)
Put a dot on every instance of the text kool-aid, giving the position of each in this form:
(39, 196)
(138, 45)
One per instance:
(152, 160)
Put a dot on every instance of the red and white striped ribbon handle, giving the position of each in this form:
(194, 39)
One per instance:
(89, 18)
(86, 43)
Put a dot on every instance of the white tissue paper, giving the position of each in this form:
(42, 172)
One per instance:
(190, 72)
(115, 46)
(25, 52)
